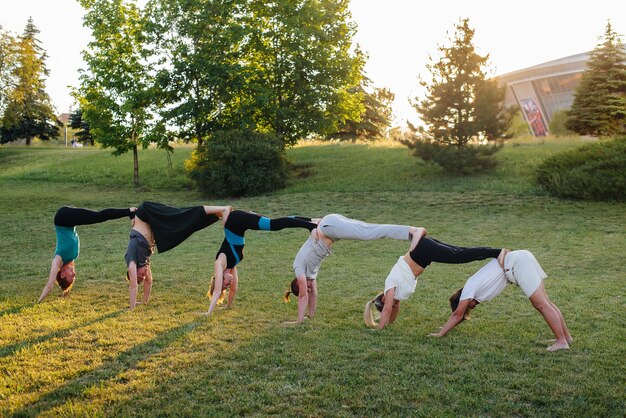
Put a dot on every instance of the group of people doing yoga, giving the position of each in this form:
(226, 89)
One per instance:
(165, 227)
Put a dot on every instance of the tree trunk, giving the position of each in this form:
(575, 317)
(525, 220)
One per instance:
(135, 166)
(28, 141)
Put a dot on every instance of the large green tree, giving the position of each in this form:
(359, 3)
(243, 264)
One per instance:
(461, 109)
(117, 88)
(299, 67)
(28, 112)
(197, 45)
(599, 106)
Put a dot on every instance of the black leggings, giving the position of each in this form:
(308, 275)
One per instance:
(240, 221)
(69, 217)
(430, 250)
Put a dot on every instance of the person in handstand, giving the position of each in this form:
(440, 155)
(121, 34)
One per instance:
(318, 246)
(66, 219)
(520, 268)
(165, 227)
(401, 281)
(236, 223)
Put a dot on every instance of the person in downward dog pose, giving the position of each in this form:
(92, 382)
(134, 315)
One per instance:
(236, 223)
(165, 227)
(520, 268)
(401, 281)
(318, 246)
(66, 219)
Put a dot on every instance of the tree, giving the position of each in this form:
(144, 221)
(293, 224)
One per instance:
(8, 62)
(375, 118)
(198, 45)
(83, 133)
(299, 68)
(117, 90)
(28, 112)
(461, 108)
(599, 106)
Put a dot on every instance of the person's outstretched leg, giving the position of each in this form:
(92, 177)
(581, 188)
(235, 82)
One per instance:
(539, 300)
(430, 250)
(69, 217)
(240, 221)
(338, 227)
(267, 224)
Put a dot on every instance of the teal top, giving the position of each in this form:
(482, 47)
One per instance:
(68, 244)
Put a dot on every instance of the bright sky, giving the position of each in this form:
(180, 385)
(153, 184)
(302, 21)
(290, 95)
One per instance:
(398, 35)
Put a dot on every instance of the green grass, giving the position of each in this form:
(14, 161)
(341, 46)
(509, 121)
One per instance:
(86, 355)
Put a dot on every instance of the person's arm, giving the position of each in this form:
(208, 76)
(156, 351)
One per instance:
(313, 299)
(232, 292)
(132, 286)
(219, 265)
(386, 314)
(147, 285)
(455, 319)
(394, 311)
(57, 262)
(303, 298)
(416, 234)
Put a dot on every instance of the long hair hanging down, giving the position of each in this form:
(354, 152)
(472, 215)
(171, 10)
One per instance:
(293, 288)
(65, 282)
(371, 313)
(209, 294)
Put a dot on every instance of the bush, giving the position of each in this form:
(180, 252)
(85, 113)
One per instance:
(519, 126)
(591, 172)
(238, 163)
(557, 124)
(465, 160)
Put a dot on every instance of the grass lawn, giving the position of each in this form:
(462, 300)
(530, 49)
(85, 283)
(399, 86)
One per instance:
(87, 355)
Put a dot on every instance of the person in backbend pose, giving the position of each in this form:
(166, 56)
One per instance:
(66, 219)
(156, 224)
(520, 268)
(236, 223)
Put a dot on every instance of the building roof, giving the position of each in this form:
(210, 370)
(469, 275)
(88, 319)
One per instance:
(573, 63)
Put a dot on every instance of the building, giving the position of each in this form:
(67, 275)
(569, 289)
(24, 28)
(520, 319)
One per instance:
(543, 89)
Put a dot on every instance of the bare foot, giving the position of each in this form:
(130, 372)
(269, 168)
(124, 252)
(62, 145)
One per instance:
(225, 213)
(558, 346)
(501, 256)
(569, 339)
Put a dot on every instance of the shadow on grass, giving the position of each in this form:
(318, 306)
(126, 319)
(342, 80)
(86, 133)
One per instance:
(16, 309)
(75, 388)
(12, 348)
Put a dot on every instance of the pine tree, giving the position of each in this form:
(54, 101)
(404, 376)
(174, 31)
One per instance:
(599, 106)
(375, 118)
(83, 133)
(461, 108)
(29, 113)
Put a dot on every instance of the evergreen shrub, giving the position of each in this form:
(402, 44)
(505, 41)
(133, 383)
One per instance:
(239, 163)
(592, 172)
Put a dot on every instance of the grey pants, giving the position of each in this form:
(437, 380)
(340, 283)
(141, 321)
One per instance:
(338, 227)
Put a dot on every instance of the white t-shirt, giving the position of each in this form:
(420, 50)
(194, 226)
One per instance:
(486, 283)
